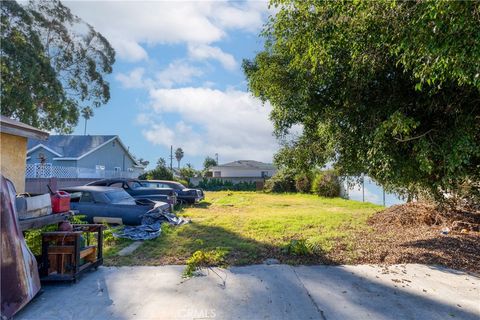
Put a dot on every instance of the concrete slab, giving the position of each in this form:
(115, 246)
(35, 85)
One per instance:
(263, 292)
(130, 248)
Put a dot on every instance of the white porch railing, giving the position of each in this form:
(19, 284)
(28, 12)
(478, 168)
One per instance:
(46, 170)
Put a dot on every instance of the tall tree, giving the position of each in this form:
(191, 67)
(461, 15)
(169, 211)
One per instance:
(52, 64)
(390, 89)
(87, 113)
(188, 172)
(161, 163)
(161, 172)
(209, 162)
(179, 156)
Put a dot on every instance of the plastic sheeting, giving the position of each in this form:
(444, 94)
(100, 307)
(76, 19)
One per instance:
(151, 226)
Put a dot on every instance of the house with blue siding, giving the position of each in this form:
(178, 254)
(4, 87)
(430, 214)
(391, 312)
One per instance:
(76, 156)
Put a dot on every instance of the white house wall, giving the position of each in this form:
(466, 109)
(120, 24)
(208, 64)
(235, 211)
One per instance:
(233, 172)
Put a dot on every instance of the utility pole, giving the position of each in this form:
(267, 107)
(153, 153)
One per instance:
(216, 158)
(171, 158)
(363, 187)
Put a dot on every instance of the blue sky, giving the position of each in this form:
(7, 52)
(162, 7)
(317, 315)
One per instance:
(178, 81)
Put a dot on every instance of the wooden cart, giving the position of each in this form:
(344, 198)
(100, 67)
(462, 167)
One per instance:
(67, 254)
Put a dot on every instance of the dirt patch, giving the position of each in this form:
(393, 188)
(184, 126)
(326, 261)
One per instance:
(421, 233)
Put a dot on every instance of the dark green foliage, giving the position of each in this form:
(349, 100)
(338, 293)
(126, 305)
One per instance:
(282, 181)
(326, 184)
(186, 183)
(220, 185)
(52, 65)
(389, 89)
(161, 172)
(207, 164)
(188, 172)
(179, 156)
(303, 183)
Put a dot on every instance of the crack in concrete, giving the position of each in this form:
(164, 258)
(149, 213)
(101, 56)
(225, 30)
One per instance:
(320, 311)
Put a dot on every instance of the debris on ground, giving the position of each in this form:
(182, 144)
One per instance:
(421, 233)
(151, 226)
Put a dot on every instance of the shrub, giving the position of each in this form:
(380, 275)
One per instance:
(326, 184)
(298, 248)
(159, 173)
(204, 259)
(183, 181)
(303, 183)
(220, 185)
(282, 181)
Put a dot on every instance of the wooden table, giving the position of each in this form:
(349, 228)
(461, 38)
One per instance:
(65, 257)
(42, 221)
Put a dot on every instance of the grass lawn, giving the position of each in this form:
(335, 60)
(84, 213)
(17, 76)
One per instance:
(251, 226)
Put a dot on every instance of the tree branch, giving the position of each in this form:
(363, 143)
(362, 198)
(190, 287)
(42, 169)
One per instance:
(414, 138)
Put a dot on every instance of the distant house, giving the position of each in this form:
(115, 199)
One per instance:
(13, 137)
(75, 156)
(243, 169)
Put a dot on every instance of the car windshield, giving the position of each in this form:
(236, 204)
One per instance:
(176, 186)
(118, 196)
(134, 185)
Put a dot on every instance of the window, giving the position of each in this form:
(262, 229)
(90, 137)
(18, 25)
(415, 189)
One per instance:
(134, 185)
(117, 184)
(86, 197)
(117, 169)
(75, 196)
(118, 196)
(217, 174)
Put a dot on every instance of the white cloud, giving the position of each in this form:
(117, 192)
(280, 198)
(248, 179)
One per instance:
(205, 52)
(129, 25)
(134, 79)
(231, 123)
(177, 72)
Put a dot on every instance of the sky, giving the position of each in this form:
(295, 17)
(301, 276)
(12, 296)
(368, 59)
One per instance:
(177, 79)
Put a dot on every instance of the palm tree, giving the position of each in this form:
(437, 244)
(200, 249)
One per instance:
(179, 155)
(87, 113)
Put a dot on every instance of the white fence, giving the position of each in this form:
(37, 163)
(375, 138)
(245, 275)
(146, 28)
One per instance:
(46, 170)
(367, 190)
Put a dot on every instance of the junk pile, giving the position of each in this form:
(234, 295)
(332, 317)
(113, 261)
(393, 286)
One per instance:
(151, 226)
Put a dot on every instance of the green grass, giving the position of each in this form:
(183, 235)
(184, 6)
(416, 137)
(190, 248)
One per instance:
(253, 226)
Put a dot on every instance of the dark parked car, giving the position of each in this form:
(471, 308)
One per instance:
(184, 194)
(134, 188)
(111, 205)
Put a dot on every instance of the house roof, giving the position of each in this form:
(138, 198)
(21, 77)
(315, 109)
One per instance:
(72, 147)
(245, 164)
(21, 129)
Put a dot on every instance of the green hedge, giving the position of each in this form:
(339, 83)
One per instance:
(220, 185)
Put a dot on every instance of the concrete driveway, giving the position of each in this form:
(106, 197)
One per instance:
(264, 292)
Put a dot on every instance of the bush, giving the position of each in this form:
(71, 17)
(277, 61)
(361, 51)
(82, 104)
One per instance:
(183, 181)
(303, 183)
(282, 181)
(205, 259)
(159, 173)
(326, 184)
(220, 185)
